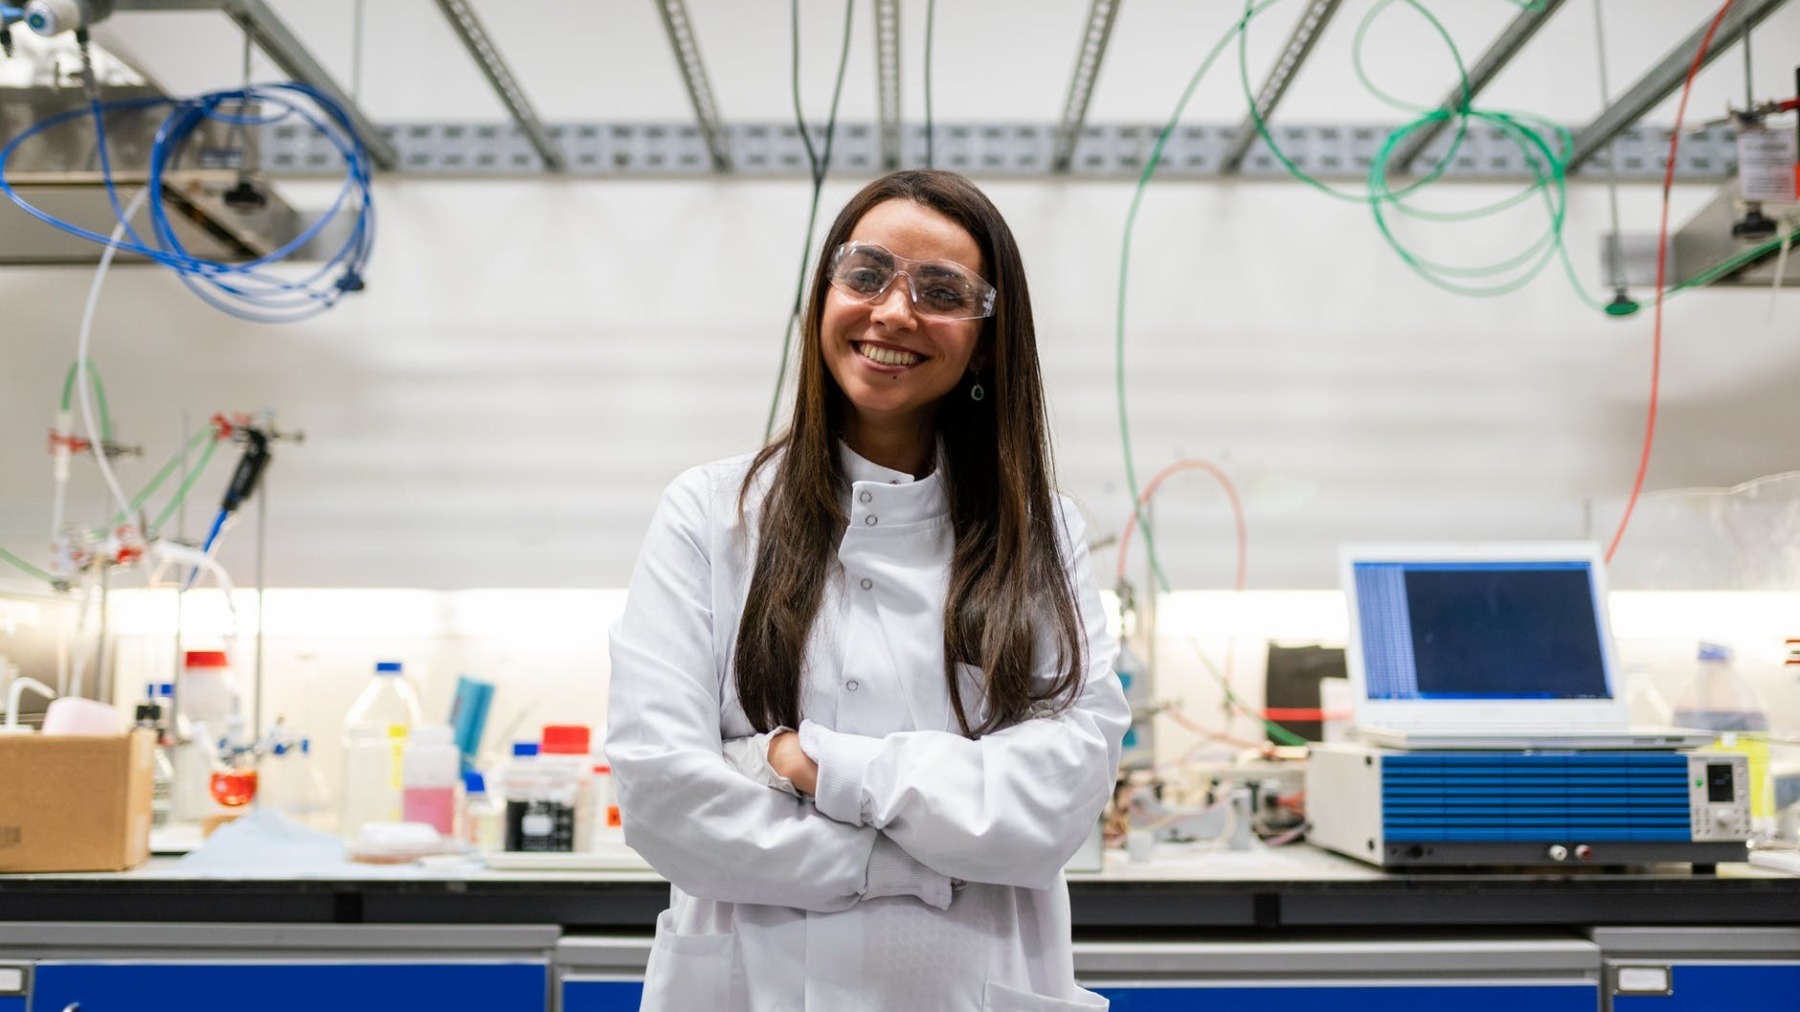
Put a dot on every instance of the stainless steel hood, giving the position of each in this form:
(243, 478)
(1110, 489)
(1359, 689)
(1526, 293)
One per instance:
(218, 207)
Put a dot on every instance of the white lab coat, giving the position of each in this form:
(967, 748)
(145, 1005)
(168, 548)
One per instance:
(927, 873)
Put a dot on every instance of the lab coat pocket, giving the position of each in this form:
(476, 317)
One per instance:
(998, 997)
(692, 972)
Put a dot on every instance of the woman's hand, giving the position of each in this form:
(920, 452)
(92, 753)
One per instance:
(788, 759)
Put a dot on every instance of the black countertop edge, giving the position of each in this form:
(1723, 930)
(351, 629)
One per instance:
(1424, 901)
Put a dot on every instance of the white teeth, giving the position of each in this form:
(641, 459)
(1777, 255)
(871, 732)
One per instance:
(888, 356)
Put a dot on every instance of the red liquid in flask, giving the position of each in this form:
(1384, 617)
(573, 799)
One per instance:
(232, 788)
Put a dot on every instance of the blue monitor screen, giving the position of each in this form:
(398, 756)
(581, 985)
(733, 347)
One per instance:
(1480, 630)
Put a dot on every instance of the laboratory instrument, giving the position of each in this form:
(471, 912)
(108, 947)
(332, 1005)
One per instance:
(1398, 808)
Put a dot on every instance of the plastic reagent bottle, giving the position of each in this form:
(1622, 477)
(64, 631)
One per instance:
(607, 827)
(1719, 699)
(564, 763)
(431, 771)
(484, 817)
(375, 733)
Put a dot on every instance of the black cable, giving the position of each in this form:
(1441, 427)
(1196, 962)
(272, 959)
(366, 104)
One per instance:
(820, 163)
(930, 16)
(812, 156)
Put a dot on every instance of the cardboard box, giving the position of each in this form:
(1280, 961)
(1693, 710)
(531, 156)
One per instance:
(75, 803)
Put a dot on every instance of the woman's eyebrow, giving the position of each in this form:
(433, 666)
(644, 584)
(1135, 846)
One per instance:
(874, 252)
(942, 269)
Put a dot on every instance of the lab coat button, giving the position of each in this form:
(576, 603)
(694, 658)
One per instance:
(852, 685)
(866, 497)
(870, 520)
(868, 584)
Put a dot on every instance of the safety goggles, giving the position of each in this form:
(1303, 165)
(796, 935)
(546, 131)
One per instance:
(940, 289)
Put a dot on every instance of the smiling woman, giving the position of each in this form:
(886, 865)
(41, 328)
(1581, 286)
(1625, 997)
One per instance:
(863, 708)
(895, 357)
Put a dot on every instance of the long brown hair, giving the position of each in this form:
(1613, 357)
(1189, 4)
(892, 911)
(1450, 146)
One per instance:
(1007, 570)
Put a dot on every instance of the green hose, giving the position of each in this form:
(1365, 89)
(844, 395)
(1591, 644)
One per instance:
(137, 501)
(26, 567)
(68, 397)
(1276, 732)
(1549, 167)
(186, 486)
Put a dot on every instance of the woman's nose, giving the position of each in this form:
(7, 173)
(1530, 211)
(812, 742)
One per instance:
(895, 304)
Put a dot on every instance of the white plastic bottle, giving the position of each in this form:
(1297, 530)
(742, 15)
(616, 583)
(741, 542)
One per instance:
(563, 758)
(375, 734)
(430, 773)
(606, 829)
(484, 815)
(208, 690)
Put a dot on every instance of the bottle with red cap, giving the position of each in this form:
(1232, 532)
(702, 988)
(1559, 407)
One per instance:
(566, 768)
(606, 828)
(207, 692)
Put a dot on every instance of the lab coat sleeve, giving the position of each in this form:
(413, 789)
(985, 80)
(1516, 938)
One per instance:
(708, 829)
(1010, 808)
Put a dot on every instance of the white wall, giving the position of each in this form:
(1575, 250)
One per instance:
(533, 361)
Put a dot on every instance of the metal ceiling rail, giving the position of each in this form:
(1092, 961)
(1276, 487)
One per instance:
(1511, 40)
(887, 79)
(1299, 45)
(693, 74)
(1081, 85)
(475, 39)
(274, 38)
(1664, 78)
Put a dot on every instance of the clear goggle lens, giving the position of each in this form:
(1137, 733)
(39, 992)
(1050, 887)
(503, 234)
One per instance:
(940, 289)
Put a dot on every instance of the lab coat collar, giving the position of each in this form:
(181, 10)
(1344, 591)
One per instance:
(859, 468)
(893, 498)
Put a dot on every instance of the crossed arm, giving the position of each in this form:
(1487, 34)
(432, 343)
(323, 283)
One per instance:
(897, 815)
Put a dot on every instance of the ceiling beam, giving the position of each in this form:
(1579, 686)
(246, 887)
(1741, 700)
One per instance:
(1299, 45)
(1660, 81)
(476, 40)
(693, 75)
(887, 79)
(1081, 85)
(1511, 40)
(272, 35)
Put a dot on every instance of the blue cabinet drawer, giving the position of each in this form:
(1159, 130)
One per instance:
(1342, 997)
(1704, 988)
(597, 995)
(292, 987)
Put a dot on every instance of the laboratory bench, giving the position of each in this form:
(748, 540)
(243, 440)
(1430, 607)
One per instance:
(1290, 888)
(1216, 931)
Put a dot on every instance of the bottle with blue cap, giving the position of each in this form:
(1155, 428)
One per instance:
(1719, 699)
(375, 735)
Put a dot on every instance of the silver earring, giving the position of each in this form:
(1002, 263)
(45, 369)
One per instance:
(975, 391)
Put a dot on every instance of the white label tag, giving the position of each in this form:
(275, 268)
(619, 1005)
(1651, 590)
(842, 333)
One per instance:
(12, 980)
(1766, 164)
(1643, 980)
